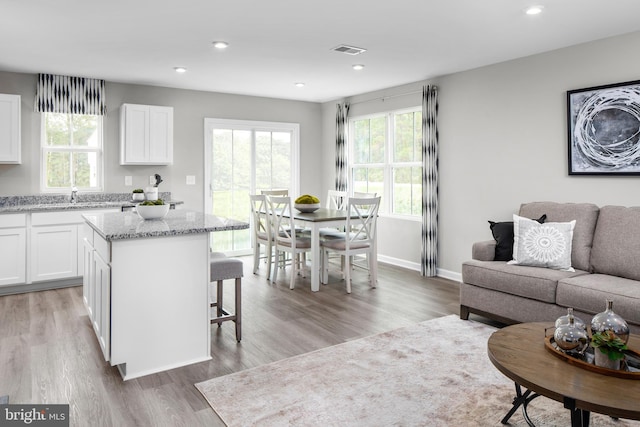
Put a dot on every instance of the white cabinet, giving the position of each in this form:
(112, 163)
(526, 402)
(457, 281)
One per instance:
(146, 135)
(13, 249)
(56, 245)
(96, 287)
(102, 303)
(10, 128)
(54, 252)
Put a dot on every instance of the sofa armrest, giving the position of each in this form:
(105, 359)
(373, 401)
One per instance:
(484, 251)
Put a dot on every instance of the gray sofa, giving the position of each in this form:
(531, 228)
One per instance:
(605, 255)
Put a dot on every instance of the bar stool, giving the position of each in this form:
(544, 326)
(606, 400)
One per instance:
(223, 268)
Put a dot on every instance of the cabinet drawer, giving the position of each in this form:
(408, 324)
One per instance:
(51, 218)
(102, 247)
(13, 220)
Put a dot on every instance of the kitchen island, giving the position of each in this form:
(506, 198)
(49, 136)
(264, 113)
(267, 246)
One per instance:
(146, 289)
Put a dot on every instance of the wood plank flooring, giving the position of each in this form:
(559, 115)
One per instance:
(49, 353)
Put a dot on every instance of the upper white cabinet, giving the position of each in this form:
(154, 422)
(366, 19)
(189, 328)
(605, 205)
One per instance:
(10, 128)
(146, 135)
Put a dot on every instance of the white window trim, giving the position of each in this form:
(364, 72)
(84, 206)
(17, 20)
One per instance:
(388, 164)
(100, 158)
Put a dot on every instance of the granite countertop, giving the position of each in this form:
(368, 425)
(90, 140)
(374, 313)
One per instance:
(57, 202)
(128, 225)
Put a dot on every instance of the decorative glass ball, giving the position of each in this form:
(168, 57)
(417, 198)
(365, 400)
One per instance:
(564, 320)
(570, 338)
(610, 321)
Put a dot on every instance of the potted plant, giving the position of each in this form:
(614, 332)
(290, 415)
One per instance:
(608, 349)
(138, 195)
(307, 203)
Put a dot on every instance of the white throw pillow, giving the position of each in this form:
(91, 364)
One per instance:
(542, 245)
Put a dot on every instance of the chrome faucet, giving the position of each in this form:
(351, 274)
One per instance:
(74, 194)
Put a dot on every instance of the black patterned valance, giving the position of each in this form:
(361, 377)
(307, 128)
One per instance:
(71, 95)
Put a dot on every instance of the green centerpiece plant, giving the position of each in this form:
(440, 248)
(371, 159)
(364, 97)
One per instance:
(307, 199)
(607, 343)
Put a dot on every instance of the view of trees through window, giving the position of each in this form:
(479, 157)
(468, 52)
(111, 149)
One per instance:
(386, 158)
(236, 173)
(72, 151)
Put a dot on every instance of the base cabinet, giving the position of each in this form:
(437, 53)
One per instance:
(13, 244)
(54, 252)
(102, 304)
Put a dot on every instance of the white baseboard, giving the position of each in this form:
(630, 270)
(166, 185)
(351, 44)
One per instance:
(445, 274)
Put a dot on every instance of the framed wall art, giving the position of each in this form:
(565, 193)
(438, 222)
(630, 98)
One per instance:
(604, 130)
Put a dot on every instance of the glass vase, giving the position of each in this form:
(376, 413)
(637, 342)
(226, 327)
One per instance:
(564, 320)
(570, 338)
(610, 321)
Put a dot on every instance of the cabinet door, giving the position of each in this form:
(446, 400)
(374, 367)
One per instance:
(10, 129)
(146, 135)
(134, 134)
(88, 280)
(13, 254)
(102, 304)
(54, 252)
(161, 135)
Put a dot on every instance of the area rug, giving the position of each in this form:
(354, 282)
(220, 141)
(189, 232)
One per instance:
(436, 373)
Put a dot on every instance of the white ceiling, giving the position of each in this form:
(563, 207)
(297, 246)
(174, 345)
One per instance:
(275, 43)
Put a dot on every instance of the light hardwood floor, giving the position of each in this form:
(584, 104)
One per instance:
(49, 353)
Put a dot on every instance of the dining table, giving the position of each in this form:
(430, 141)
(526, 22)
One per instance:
(314, 221)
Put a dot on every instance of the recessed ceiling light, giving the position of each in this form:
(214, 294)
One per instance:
(299, 84)
(180, 69)
(358, 67)
(534, 10)
(220, 45)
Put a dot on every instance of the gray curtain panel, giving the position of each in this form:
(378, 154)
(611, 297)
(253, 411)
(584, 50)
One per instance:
(342, 114)
(70, 95)
(429, 180)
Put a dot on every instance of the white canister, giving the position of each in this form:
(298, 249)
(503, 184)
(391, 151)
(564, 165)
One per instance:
(151, 193)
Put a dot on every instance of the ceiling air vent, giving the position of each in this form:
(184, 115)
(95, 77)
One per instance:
(349, 50)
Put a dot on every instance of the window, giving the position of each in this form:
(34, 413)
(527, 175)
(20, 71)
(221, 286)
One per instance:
(71, 152)
(243, 157)
(386, 158)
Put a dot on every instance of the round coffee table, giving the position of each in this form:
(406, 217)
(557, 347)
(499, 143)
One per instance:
(518, 351)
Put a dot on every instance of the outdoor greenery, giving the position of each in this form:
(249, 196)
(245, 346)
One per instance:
(231, 176)
(372, 169)
(72, 146)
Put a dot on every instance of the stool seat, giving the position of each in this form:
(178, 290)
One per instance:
(223, 268)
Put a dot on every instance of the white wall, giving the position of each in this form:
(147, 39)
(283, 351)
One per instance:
(190, 109)
(503, 141)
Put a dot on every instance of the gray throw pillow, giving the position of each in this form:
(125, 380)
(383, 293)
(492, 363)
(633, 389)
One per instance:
(542, 245)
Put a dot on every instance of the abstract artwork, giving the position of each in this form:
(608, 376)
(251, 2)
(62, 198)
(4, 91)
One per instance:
(604, 130)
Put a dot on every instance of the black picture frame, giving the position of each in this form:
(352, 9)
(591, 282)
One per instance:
(604, 129)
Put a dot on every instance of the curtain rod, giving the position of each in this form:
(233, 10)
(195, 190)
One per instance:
(383, 98)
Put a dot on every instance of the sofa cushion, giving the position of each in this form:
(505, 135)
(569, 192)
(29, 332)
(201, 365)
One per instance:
(542, 245)
(586, 216)
(616, 242)
(588, 293)
(503, 234)
(529, 282)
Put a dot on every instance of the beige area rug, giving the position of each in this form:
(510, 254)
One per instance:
(436, 373)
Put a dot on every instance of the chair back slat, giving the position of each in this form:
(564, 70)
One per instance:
(283, 229)
(361, 223)
(259, 214)
(337, 200)
(283, 192)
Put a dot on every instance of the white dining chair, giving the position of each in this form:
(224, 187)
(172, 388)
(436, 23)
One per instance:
(337, 200)
(261, 232)
(286, 239)
(283, 192)
(360, 238)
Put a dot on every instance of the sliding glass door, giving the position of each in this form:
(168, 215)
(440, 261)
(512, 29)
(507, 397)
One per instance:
(242, 158)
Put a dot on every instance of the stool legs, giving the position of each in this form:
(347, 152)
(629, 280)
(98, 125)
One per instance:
(222, 315)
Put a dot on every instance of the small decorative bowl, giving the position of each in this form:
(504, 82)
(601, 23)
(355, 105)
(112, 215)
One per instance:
(152, 212)
(307, 207)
